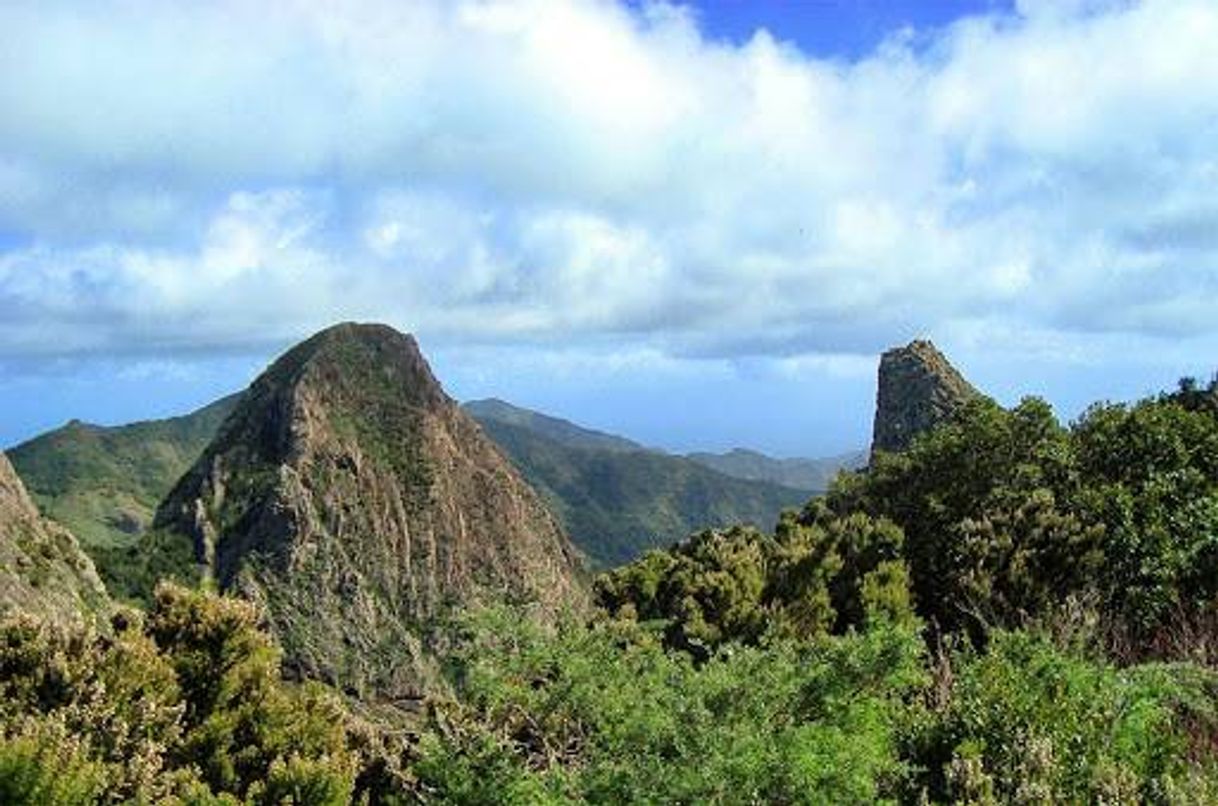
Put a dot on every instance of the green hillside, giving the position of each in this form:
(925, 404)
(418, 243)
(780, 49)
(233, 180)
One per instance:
(617, 504)
(104, 483)
(812, 475)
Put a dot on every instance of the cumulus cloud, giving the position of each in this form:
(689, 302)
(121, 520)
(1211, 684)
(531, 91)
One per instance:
(573, 171)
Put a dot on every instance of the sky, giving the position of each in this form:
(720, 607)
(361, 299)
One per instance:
(696, 225)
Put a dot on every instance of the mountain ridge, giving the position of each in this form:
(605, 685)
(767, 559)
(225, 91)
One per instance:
(813, 475)
(800, 473)
(104, 482)
(616, 504)
(351, 498)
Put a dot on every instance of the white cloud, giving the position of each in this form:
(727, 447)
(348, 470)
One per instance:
(573, 170)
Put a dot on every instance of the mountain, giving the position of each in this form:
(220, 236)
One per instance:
(617, 504)
(813, 475)
(561, 431)
(43, 572)
(104, 483)
(356, 503)
(918, 389)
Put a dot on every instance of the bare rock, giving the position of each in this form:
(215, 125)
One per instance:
(360, 506)
(918, 389)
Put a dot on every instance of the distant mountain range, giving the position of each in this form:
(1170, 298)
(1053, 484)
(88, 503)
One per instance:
(561, 431)
(615, 497)
(811, 475)
(619, 498)
(616, 505)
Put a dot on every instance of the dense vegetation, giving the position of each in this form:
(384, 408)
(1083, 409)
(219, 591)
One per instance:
(1002, 519)
(1006, 514)
(187, 706)
(1011, 611)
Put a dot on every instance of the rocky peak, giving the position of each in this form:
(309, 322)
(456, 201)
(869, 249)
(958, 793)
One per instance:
(43, 572)
(355, 500)
(918, 389)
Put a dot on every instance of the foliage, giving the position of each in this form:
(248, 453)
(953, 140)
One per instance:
(188, 700)
(605, 714)
(1030, 722)
(1006, 514)
(806, 579)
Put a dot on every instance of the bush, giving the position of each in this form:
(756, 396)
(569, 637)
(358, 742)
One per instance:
(606, 714)
(187, 703)
(1029, 722)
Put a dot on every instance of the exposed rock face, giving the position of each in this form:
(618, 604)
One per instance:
(350, 496)
(43, 572)
(918, 389)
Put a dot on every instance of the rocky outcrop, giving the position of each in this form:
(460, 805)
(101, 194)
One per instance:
(43, 572)
(357, 503)
(917, 390)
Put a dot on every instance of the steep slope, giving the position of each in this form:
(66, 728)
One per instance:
(43, 572)
(104, 483)
(557, 429)
(917, 390)
(351, 498)
(813, 475)
(618, 504)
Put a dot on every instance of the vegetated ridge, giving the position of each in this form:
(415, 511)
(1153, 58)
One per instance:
(811, 475)
(617, 504)
(104, 483)
(557, 429)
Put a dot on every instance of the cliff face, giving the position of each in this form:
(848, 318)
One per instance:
(43, 572)
(917, 390)
(353, 499)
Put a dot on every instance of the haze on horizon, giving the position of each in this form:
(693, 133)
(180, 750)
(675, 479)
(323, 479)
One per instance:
(679, 223)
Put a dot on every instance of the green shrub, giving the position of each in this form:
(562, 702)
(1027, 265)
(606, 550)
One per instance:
(1029, 722)
(187, 704)
(47, 763)
(605, 714)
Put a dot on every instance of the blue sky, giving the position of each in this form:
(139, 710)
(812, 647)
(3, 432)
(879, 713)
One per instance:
(842, 29)
(696, 225)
